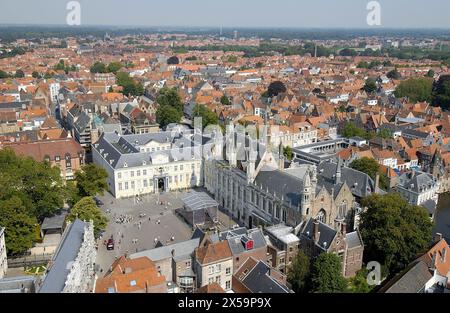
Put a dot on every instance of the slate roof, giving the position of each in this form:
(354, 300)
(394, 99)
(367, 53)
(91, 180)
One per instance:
(353, 239)
(360, 184)
(414, 181)
(121, 149)
(282, 183)
(412, 280)
(234, 239)
(54, 281)
(182, 249)
(259, 281)
(326, 234)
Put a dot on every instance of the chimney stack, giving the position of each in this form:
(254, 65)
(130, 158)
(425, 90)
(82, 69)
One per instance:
(316, 230)
(433, 261)
(344, 228)
(437, 237)
(377, 181)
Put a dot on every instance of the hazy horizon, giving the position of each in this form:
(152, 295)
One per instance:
(292, 14)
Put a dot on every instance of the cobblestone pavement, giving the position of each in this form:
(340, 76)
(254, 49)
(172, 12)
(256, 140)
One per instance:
(140, 232)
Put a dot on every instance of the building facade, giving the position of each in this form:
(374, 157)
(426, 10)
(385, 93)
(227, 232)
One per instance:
(71, 269)
(148, 163)
(3, 260)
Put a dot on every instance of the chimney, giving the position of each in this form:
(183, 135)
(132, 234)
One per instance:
(316, 233)
(344, 228)
(377, 181)
(437, 237)
(433, 261)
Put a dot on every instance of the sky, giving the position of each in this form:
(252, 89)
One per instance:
(232, 13)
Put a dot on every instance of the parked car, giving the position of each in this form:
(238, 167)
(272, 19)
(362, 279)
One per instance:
(110, 244)
(98, 201)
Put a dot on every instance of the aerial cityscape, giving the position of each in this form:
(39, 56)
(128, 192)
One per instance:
(223, 159)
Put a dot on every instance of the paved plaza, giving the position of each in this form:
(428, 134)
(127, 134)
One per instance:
(136, 223)
(146, 220)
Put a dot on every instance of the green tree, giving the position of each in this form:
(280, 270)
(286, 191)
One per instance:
(370, 86)
(60, 66)
(36, 75)
(358, 283)
(114, 67)
(173, 60)
(393, 231)
(363, 64)
(384, 133)
(130, 87)
(86, 210)
(366, 165)
(19, 74)
(287, 152)
(394, 74)
(441, 92)
(48, 75)
(224, 100)
(170, 97)
(208, 116)
(19, 225)
(91, 180)
(3, 74)
(299, 273)
(416, 89)
(98, 67)
(232, 59)
(276, 88)
(166, 114)
(37, 184)
(371, 168)
(430, 73)
(326, 275)
(351, 130)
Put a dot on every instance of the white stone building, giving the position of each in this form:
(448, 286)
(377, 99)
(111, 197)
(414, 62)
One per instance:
(141, 164)
(418, 187)
(71, 269)
(3, 261)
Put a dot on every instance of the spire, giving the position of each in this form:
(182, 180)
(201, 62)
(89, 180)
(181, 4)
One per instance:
(338, 171)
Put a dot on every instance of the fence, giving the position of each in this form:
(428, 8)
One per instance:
(29, 260)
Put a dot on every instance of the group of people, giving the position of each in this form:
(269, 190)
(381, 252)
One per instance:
(123, 219)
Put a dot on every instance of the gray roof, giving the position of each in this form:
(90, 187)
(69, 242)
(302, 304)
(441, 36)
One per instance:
(234, 239)
(411, 281)
(415, 133)
(283, 233)
(360, 184)
(415, 181)
(18, 284)
(326, 234)
(182, 249)
(282, 183)
(66, 253)
(54, 222)
(120, 149)
(259, 281)
(353, 239)
(194, 201)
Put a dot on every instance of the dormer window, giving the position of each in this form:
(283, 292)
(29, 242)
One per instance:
(125, 164)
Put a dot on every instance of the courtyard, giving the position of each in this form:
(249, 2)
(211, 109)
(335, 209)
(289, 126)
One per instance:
(138, 224)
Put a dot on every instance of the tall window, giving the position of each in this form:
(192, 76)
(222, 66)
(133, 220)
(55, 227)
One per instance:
(321, 217)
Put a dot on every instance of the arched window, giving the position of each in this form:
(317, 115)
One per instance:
(321, 216)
